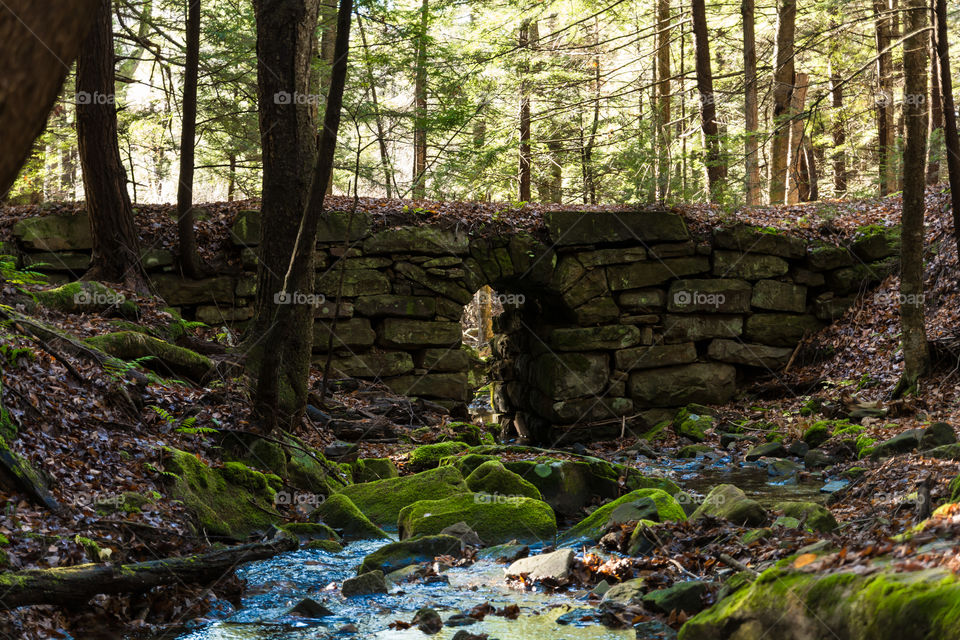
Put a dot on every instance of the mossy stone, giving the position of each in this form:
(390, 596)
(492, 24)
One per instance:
(492, 477)
(404, 553)
(371, 469)
(593, 526)
(496, 519)
(382, 500)
(163, 357)
(727, 502)
(339, 512)
(429, 455)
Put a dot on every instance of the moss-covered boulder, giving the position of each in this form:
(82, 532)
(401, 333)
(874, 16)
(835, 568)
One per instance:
(404, 553)
(692, 425)
(817, 433)
(55, 233)
(493, 478)
(372, 469)
(429, 455)
(87, 297)
(308, 531)
(632, 507)
(792, 605)
(382, 500)
(339, 512)
(813, 516)
(727, 502)
(161, 356)
(229, 502)
(682, 596)
(495, 518)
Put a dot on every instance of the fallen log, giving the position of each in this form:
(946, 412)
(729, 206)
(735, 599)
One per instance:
(77, 584)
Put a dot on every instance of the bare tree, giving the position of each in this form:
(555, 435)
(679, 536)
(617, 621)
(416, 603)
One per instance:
(752, 120)
(783, 73)
(950, 137)
(419, 189)
(187, 250)
(715, 167)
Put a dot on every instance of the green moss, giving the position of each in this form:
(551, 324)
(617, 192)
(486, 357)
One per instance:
(954, 489)
(865, 445)
(162, 356)
(496, 519)
(382, 500)
(127, 502)
(467, 464)
(593, 526)
(86, 297)
(371, 469)
(691, 424)
(339, 512)
(880, 606)
(658, 432)
(231, 509)
(330, 546)
(397, 555)
(853, 472)
(429, 455)
(493, 478)
(307, 531)
(817, 434)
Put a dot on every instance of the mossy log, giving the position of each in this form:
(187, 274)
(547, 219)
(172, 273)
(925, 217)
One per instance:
(77, 584)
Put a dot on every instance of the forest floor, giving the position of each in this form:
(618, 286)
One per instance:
(75, 423)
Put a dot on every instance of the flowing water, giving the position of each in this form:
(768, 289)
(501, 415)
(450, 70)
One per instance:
(278, 584)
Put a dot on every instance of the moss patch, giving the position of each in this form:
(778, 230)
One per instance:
(163, 356)
(382, 500)
(496, 519)
(339, 512)
(493, 478)
(429, 455)
(593, 526)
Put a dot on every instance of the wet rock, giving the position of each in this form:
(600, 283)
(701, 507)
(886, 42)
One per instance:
(694, 451)
(629, 592)
(495, 518)
(398, 555)
(816, 459)
(506, 553)
(553, 566)
(654, 630)
(779, 468)
(798, 448)
(833, 486)
(766, 450)
(726, 439)
(463, 634)
(364, 584)
(636, 503)
(460, 620)
(428, 621)
(600, 589)
(692, 425)
(464, 533)
(576, 615)
(682, 596)
(339, 449)
(727, 502)
(309, 608)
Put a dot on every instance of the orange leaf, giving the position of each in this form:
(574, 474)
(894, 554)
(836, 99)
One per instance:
(804, 560)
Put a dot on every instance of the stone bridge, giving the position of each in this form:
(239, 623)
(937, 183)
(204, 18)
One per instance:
(608, 317)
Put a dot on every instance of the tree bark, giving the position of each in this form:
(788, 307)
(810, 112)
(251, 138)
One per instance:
(279, 353)
(116, 248)
(884, 100)
(419, 189)
(751, 117)
(936, 111)
(328, 37)
(187, 241)
(715, 167)
(527, 29)
(839, 135)
(782, 95)
(75, 585)
(916, 355)
(950, 138)
(39, 40)
(795, 156)
(663, 99)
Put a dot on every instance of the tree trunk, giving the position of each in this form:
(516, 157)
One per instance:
(797, 134)
(187, 249)
(950, 138)
(116, 249)
(663, 99)
(279, 356)
(555, 150)
(38, 42)
(752, 120)
(916, 355)
(782, 95)
(232, 184)
(936, 111)
(527, 29)
(419, 188)
(884, 100)
(76, 585)
(328, 37)
(839, 135)
(378, 119)
(715, 167)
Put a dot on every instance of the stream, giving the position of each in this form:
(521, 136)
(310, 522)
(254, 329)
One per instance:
(278, 584)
